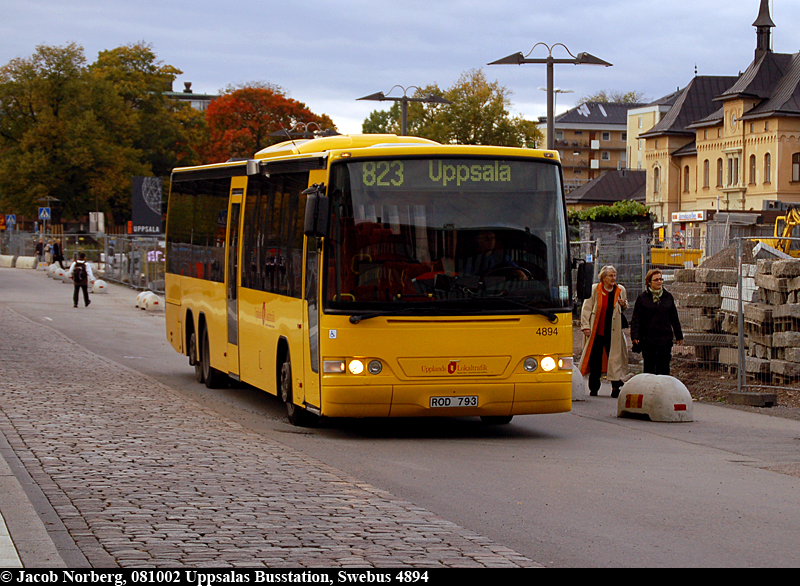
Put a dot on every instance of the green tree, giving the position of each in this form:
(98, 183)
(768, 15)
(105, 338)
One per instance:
(62, 134)
(167, 131)
(79, 132)
(383, 121)
(478, 114)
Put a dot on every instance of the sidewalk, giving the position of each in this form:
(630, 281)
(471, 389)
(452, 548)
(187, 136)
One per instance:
(130, 473)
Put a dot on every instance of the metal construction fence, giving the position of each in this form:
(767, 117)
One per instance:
(739, 308)
(131, 260)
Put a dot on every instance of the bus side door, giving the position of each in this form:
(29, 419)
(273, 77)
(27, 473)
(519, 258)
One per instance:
(232, 274)
(311, 325)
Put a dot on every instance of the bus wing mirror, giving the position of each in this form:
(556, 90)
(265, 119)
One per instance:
(317, 208)
(585, 278)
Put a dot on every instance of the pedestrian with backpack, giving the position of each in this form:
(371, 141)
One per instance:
(80, 272)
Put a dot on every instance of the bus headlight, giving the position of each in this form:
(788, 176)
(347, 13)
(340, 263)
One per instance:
(355, 367)
(529, 364)
(548, 363)
(374, 367)
(565, 363)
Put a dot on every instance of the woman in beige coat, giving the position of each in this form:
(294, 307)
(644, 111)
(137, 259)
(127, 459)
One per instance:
(604, 349)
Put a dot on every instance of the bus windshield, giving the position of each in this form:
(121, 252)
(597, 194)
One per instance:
(432, 235)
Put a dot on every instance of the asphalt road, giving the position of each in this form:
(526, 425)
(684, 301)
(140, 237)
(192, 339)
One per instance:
(584, 489)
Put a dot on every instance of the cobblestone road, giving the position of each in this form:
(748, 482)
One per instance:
(142, 477)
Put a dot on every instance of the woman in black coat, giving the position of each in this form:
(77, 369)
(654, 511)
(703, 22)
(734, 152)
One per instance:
(655, 323)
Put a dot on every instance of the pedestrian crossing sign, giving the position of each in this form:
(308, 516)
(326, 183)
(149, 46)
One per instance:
(44, 213)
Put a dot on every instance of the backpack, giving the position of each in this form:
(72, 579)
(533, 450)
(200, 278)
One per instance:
(79, 272)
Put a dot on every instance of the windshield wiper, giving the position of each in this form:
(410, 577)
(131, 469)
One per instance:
(355, 318)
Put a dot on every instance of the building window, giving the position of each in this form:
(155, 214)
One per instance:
(766, 125)
(767, 168)
(641, 141)
(719, 172)
(605, 156)
(705, 135)
(752, 169)
(686, 179)
(559, 135)
(796, 167)
(606, 136)
(624, 136)
(656, 181)
(706, 173)
(640, 121)
(733, 171)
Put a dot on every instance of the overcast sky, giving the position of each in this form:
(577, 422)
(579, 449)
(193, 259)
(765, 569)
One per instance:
(326, 54)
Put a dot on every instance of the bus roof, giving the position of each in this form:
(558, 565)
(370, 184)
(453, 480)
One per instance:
(301, 148)
(341, 141)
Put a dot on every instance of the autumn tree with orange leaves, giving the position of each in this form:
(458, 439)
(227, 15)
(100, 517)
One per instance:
(241, 122)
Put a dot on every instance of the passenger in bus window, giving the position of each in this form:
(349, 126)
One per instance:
(605, 349)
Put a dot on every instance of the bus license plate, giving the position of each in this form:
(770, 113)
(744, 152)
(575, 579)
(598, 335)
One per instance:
(465, 401)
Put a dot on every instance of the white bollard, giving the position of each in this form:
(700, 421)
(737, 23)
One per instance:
(100, 286)
(660, 397)
(578, 384)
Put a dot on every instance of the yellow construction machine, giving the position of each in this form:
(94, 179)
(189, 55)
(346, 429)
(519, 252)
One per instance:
(787, 226)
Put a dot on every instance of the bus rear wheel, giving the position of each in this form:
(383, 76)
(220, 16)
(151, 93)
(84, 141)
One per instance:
(194, 359)
(213, 378)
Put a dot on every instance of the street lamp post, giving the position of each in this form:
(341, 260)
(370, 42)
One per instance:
(404, 100)
(579, 59)
(556, 91)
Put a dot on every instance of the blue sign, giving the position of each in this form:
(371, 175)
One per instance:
(44, 213)
(11, 219)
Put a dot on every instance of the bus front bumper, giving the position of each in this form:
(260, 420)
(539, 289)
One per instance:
(447, 400)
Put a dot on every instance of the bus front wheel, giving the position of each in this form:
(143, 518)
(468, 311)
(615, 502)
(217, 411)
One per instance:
(496, 419)
(294, 413)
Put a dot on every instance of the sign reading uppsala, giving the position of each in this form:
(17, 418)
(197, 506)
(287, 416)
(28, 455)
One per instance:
(146, 205)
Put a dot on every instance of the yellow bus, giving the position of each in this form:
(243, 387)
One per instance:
(376, 276)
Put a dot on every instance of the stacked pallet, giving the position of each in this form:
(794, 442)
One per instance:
(778, 298)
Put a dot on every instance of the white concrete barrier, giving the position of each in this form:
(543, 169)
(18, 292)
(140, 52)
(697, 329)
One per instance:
(26, 262)
(153, 303)
(7, 261)
(578, 384)
(51, 270)
(100, 286)
(660, 397)
(140, 298)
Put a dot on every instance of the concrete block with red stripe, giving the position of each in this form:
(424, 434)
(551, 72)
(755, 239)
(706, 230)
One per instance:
(656, 396)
